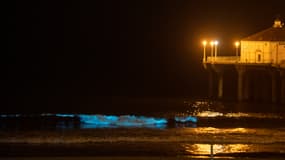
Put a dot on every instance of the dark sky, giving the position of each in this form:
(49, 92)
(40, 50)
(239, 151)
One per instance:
(70, 52)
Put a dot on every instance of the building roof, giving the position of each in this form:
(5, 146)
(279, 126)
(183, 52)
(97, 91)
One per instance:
(274, 33)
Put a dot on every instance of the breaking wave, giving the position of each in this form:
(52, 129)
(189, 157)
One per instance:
(113, 121)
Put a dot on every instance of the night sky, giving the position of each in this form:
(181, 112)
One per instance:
(68, 54)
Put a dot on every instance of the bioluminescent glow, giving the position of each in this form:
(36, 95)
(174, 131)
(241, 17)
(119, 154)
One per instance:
(98, 119)
(184, 119)
(94, 126)
(125, 120)
(111, 121)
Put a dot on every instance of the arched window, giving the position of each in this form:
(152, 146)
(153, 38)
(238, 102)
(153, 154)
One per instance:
(258, 56)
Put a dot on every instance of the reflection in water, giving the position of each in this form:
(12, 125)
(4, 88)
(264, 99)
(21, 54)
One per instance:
(205, 149)
(211, 130)
(209, 114)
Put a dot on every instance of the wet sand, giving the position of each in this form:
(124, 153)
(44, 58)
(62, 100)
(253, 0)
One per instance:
(133, 150)
(144, 143)
(122, 158)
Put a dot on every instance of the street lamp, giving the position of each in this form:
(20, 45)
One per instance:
(212, 50)
(216, 48)
(204, 45)
(237, 47)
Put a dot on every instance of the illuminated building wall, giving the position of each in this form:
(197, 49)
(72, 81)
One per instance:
(267, 46)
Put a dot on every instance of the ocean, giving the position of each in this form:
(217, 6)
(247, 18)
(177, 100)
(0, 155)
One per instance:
(199, 129)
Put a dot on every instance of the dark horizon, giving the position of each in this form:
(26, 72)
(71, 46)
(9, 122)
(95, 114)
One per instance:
(72, 53)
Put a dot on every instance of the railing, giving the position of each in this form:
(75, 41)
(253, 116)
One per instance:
(223, 59)
(237, 60)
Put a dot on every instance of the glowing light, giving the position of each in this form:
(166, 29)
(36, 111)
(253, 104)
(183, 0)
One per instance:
(125, 120)
(94, 126)
(209, 114)
(204, 43)
(216, 42)
(184, 119)
(204, 51)
(212, 43)
(198, 149)
(203, 130)
(113, 121)
(237, 44)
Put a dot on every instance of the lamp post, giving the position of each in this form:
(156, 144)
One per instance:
(237, 47)
(216, 48)
(212, 50)
(204, 55)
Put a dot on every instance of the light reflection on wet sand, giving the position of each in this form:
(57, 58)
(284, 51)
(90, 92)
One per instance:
(205, 149)
(212, 130)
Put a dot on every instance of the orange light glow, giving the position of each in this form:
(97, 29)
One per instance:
(204, 43)
(237, 44)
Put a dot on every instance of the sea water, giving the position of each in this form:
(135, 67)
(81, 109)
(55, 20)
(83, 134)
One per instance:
(198, 128)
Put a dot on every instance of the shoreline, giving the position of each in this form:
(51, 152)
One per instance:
(130, 158)
(191, 135)
(137, 149)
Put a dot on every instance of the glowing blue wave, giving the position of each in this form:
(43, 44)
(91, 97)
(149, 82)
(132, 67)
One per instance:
(113, 121)
(125, 120)
(94, 126)
(185, 119)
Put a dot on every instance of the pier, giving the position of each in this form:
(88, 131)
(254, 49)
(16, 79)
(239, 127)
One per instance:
(259, 65)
